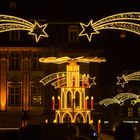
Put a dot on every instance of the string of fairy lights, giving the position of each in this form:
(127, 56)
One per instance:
(120, 99)
(9, 23)
(122, 21)
(135, 76)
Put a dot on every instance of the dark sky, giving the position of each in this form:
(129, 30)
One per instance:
(72, 8)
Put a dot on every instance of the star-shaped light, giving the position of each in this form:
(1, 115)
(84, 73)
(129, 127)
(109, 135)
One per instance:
(38, 31)
(91, 80)
(135, 101)
(88, 30)
(122, 81)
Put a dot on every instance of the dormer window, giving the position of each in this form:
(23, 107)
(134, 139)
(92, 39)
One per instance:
(73, 34)
(14, 35)
(12, 5)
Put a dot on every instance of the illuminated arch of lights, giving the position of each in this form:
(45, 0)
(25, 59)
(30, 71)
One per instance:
(9, 23)
(119, 99)
(121, 21)
(135, 76)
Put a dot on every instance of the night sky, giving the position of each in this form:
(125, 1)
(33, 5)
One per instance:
(121, 54)
(70, 9)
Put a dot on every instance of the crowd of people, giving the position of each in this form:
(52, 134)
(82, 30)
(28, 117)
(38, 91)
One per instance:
(124, 131)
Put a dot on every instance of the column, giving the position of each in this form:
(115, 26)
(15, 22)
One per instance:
(25, 83)
(3, 84)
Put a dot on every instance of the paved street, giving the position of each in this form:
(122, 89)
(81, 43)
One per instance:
(104, 136)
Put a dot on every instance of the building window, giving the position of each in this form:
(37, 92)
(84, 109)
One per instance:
(14, 96)
(36, 95)
(12, 5)
(130, 111)
(120, 90)
(73, 34)
(14, 35)
(138, 111)
(36, 65)
(14, 62)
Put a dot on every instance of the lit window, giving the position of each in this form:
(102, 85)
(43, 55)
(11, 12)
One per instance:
(130, 112)
(73, 34)
(120, 90)
(138, 111)
(12, 5)
(14, 62)
(122, 34)
(14, 35)
(14, 96)
(36, 95)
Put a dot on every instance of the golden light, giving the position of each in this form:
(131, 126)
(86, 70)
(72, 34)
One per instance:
(85, 33)
(53, 102)
(72, 100)
(121, 21)
(38, 31)
(135, 76)
(65, 59)
(3, 101)
(99, 126)
(46, 121)
(92, 102)
(54, 121)
(87, 97)
(120, 99)
(9, 23)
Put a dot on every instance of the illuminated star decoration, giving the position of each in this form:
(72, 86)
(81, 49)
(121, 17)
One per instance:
(38, 31)
(9, 23)
(91, 81)
(119, 99)
(135, 101)
(121, 21)
(88, 30)
(58, 80)
(122, 81)
(55, 78)
(135, 76)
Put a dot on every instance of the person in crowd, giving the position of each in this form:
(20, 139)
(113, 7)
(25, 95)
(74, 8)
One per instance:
(72, 133)
(124, 131)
